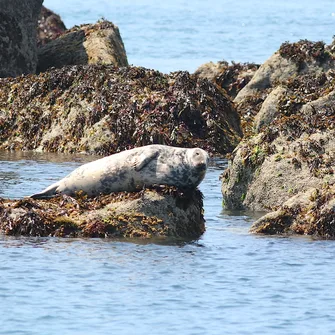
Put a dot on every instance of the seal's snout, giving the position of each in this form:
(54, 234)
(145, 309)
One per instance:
(202, 166)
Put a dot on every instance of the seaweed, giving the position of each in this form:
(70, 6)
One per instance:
(103, 109)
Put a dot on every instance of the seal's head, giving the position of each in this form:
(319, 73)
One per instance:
(198, 160)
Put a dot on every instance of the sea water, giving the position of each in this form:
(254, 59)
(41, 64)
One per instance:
(227, 282)
(177, 35)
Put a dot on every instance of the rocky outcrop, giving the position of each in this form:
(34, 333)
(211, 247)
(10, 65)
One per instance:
(150, 213)
(231, 77)
(18, 50)
(50, 26)
(99, 43)
(265, 173)
(292, 60)
(290, 150)
(102, 109)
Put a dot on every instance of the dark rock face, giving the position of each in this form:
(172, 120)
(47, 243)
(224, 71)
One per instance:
(102, 109)
(18, 49)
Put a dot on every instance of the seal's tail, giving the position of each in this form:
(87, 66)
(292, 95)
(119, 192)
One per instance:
(49, 192)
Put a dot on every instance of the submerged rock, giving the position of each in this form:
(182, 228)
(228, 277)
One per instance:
(99, 43)
(290, 147)
(157, 212)
(18, 21)
(102, 109)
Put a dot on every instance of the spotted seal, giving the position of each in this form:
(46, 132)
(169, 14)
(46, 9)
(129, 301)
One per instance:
(133, 169)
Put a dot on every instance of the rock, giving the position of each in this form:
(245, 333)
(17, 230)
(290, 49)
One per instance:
(292, 59)
(231, 77)
(270, 108)
(268, 169)
(309, 213)
(292, 151)
(99, 43)
(150, 213)
(18, 51)
(50, 26)
(211, 70)
(103, 109)
(275, 70)
(311, 59)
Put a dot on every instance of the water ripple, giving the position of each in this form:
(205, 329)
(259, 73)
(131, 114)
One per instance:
(228, 282)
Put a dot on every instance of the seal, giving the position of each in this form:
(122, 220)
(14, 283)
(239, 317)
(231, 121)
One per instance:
(133, 169)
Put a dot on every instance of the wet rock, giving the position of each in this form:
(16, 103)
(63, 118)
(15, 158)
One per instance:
(18, 51)
(103, 109)
(265, 174)
(150, 213)
(293, 149)
(231, 77)
(309, 213)
(294, 152)
(50, 26)
(99, 43)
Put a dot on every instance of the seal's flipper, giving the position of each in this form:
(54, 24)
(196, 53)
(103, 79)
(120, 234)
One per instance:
(144, 159)
(49, 192)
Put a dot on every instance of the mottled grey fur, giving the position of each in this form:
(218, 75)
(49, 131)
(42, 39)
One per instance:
(132, 169)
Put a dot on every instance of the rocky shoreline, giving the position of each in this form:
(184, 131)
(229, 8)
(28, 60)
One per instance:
(75, 92)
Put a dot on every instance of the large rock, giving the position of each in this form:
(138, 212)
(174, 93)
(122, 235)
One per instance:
(291, 153)
(291, 61)
(149, 213)
(270, 108)
(102, 109)
(265, 173)
(99, 43)
(18, 49)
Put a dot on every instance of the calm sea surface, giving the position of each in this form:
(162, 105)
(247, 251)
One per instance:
(228, 282)
(181, 35)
